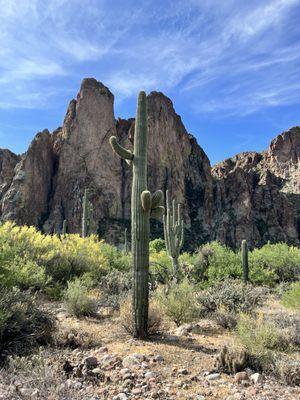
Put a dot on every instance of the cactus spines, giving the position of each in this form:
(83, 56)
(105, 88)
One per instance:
(64, 227)
(245, 262)
(173, 232)
(231, 361)
(142, 206)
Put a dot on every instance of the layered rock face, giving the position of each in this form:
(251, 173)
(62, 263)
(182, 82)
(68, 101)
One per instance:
(251, 196)
(258, 194)
(8, 161)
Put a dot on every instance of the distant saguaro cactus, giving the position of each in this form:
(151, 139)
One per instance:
(173, 232)
(64, 227)
(143, 205)
(85, 214)
(126, 245)
(245, 262)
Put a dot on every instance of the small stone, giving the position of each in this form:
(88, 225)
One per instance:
(199, 397)
(178, 383)
(172, 338)
(91, 362)
(127, 376)
(245, 382)
(77, 385)
(139, 356)
(151, 375)
(158, 358)
(136, 391)
(131, 362)
(102, 349)
(183, 330)
(97, 371)
(241, 376)
(29, 392)
(120, 396)
(256, 378)
(213, 377)
(125, 371)
(183, 371)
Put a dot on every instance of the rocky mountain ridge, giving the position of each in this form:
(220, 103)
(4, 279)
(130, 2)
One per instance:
(252, 195)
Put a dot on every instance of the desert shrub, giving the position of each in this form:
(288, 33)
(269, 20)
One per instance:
(73, 256)
(289, 324)
(115, 286)
(279, 262)
(62, 259)
(226, 319)
(234, 296)
(116, 259)
(54, 291)
(22, 324)
(179, 302)
(161, 271)
(157, 245)
(288, 369)
(195, 267)
(291, 298)
(78, 300)
(154, 316)
(24, 274)
(261, 334)
(262, 338)
(222, 262)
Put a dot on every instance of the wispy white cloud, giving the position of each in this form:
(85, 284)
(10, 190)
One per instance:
(226, 56)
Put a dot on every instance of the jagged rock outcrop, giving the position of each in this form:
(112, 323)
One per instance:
(27, 199)
(258, 194)
(8, 161)
(253, 196)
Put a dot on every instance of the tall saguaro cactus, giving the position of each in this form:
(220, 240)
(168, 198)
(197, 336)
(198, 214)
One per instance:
(173, 232)
(126, 247)
(143, 205)
(64, 227)
(85, 212)
(245, 262)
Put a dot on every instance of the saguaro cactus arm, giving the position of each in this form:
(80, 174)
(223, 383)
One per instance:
(173, 231)
(120, 150)
(64, 227)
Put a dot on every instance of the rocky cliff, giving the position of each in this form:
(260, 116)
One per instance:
(253, 195)
(258, 194)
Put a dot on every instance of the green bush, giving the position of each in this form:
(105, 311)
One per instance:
(179, 302)
(22, 324)
(263, 339)
(291, 298)
(24, 274)
(223, 263)
(161, 270)
(274, 263)
(78, 300)
(30, 259)
(157, 245)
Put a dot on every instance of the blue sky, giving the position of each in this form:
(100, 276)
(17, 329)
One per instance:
(231, 67)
